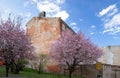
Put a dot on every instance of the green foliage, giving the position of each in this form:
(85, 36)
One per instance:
(28, 70)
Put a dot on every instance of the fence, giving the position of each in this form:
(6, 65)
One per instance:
(89, 71)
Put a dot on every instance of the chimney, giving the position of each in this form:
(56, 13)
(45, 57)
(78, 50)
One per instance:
(42, 14)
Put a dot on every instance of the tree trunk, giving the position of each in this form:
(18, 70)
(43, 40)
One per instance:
(70, 73)
(12, 67)
(7, 65)
(7, 70)
(39, 70)
(81, 70)
(17, 69)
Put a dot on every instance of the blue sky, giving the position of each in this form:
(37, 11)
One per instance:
(97, 19)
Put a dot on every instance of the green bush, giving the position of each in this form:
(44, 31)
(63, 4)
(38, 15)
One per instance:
(28, 69)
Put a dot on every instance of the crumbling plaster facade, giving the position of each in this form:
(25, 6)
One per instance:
(43, 31)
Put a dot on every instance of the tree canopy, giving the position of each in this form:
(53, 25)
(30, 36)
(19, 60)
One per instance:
(14, 43)
(72, 49)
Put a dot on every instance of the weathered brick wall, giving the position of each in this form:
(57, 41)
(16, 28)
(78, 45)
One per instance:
(43, 31)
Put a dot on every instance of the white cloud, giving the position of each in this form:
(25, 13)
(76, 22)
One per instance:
(48, 7)
(111, 18)
(92, 29)
(115, 21)
(81, 20)
(29, 2)
(61, 1)
(113, 25)
(93, 26)
(4, 13)
(35, 1)
(107, 10)
(113, 12)
(25, 3)
(63, 14)
(74, 26)
(26, 17)
(92, 33)
(28, 14)
(53, 8)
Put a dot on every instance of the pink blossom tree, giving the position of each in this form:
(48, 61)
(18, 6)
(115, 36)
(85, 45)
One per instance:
(72, 49)
(15, 45)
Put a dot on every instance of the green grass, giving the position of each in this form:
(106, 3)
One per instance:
(30, 73)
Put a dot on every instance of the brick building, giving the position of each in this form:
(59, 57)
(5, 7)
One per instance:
(43, 31)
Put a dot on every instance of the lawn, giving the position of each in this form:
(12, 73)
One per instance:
(29, 73)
